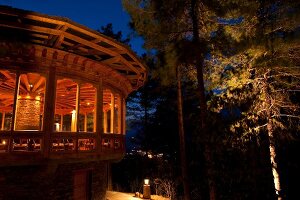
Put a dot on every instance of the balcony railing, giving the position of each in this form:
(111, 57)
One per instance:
(32, 146)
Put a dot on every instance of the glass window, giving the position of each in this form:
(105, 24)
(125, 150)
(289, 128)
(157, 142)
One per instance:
(87, 107)
(30, 102)
(111, 112)
(7, 91)
(65, 105)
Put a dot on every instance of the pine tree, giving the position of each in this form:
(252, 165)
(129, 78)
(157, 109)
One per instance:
(265, 73)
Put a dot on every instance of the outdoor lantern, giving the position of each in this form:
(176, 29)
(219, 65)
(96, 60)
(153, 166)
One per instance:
(146, 181)
(146, 190)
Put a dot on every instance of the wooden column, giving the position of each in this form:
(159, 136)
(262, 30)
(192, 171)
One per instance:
(99, 118)
(119, 106)
(105, 121)
(112, 113)
(61, 122)
(77, 116)
(85, 122)
(3, 120)
(49, 111)
(123, 116)
(12, 127)
(15, 101)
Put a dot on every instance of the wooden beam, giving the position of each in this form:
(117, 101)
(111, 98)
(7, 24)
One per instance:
(38, 84)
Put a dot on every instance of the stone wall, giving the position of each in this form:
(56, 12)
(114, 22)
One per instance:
(28, 113)
(50, 182)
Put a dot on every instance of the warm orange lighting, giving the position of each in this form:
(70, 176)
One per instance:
(146, 181)
(30, 85)
(88, 103)
(4, 142)
(27, 96)
(38, 98)
(56, 127)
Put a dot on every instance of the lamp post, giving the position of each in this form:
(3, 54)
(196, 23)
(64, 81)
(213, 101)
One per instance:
(146, 189)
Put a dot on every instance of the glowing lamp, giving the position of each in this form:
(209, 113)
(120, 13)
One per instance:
(146, 181)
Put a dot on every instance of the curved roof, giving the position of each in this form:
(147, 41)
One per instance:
(62, 34)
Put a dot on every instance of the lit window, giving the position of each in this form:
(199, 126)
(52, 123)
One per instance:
(7, 90)
(87, 108)
(65, 106)
(30, 102)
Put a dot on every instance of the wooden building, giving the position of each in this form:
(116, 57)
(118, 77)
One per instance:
(62, 106)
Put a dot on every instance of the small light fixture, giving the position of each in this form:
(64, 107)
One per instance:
(146, 181)
(30, 85)
(4, 142)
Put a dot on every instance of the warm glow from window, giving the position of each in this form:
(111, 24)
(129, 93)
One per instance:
(7, 90)
(65, 105)
(30, 103)
(87, 104)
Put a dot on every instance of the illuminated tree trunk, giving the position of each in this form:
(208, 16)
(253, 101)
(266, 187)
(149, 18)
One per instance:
(203, 107)
(271, 138)
(184, 170)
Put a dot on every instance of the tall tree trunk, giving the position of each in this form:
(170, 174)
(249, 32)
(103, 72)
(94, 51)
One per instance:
(203, 107)
(271, 138)
(184, 170)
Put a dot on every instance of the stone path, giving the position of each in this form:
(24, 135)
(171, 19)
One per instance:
(112, 195)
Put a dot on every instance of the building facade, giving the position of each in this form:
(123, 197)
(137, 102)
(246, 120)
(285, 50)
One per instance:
(62, 106)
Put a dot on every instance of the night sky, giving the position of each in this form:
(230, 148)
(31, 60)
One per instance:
(91, 13)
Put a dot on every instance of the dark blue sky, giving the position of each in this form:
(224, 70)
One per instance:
(91, 13)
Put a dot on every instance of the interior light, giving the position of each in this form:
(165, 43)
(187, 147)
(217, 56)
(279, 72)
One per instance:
(4, 142)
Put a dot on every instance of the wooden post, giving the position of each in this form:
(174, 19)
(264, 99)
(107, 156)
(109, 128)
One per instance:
(15, 101)
(123, 116)
(3, 120)
(49, 110)
(119, 106)
(105, 121)
(61, 122)
(77, 117)
(99, 118)
(12, 127)
(112, 113)
(85, 122)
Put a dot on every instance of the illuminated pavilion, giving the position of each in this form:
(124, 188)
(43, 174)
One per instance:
(63, 88)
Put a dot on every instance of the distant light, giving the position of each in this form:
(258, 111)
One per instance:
(150, 155)
(30, 85)
(88, 103)
(27, 96)
(146, 181)
(57, 127)
(4, 142)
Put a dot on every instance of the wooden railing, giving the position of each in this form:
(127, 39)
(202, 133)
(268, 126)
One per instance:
(31, 145)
